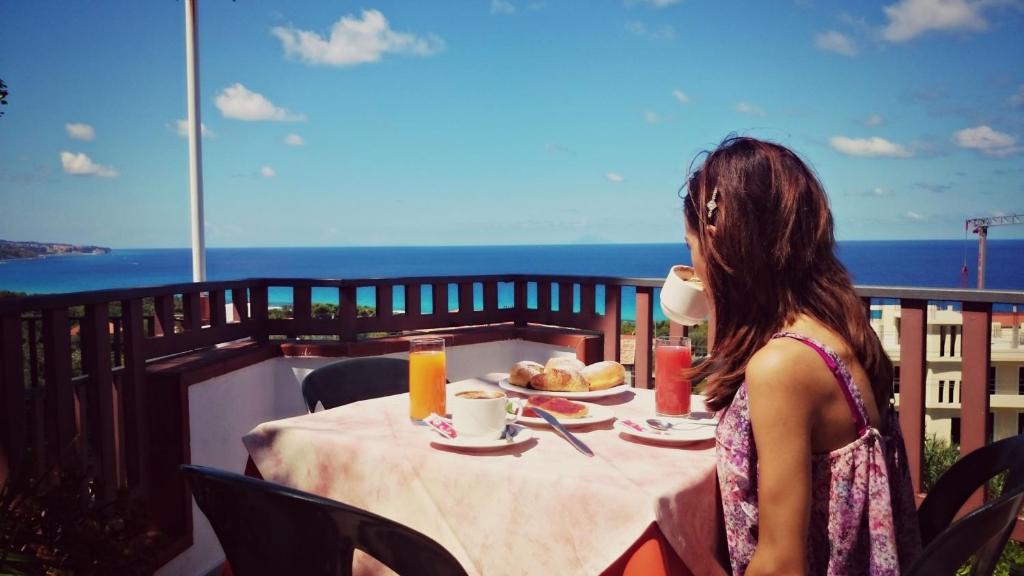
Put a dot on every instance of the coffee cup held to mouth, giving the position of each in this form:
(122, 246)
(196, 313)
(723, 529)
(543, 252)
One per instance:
(480, 413)
(682, 297)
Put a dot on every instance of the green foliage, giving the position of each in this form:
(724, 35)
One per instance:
(939, 455)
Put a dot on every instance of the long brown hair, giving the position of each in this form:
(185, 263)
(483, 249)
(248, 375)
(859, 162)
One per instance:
(770, 257)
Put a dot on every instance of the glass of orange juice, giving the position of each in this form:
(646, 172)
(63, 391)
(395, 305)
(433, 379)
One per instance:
(426, 377)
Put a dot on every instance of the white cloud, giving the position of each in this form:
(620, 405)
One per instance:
(240, 103)
(748, 108)
(181, 129)
(837, 42)
(80, 131)
(680, 96)
(655, 3)
(911, 18)
(502, 7)
(354, 40)
(81, 165)
(873, 120)
(1017, 99)
(267, 172)
(294, 140)
(614, 178)
(873, 146)
(652, 117)
(915, 216)
(986, 140)
(663, 32)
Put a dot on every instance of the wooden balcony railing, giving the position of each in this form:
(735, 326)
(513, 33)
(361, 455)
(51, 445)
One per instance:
(73, 375)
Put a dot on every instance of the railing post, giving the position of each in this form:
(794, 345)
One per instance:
(12, 395)
(440, 298)
(465, 299)
(258, 312)
(913, 321)
(611, 323)
(218, 312)
(544, 301)
(302, 303)
(644, 339)
(413, 301)
(240, 304)
(192, 308)
(100, 407)
(974, 399)
(588, 298)
(60, 395)
(490, 300)
(133, 390)
(347, 312)
(385, 306)
(519, 297)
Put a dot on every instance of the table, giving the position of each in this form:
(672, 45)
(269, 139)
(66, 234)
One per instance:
(537, 508)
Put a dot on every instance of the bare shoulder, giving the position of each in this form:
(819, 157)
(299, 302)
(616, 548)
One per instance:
(786, 369)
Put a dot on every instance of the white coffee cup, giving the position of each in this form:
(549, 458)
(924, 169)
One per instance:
(480, 413)
(682, 297)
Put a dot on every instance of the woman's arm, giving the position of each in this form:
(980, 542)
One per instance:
(780, 386)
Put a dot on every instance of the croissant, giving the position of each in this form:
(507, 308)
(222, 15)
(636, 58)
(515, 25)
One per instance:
(523, 371)
(559, 380)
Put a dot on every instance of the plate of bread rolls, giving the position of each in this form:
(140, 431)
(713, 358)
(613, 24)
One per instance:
(566, 377)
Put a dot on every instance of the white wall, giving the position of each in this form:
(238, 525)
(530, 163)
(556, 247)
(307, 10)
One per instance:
(225, 408)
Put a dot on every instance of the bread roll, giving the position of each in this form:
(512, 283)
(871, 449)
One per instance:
(604, 375)
(559, 380)
(523, 371)
(564, 363)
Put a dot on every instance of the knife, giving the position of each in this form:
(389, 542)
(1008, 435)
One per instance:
(561, 430)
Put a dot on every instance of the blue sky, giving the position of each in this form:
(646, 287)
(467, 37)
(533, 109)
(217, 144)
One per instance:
(499, 121)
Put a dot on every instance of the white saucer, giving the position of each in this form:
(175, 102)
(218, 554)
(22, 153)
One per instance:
(683, 435)
(505, 385)
(596, 414)
(481, 444)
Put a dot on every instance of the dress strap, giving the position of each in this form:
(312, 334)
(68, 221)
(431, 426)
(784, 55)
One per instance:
(839, 370)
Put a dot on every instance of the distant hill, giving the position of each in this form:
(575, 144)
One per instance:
(10, 250)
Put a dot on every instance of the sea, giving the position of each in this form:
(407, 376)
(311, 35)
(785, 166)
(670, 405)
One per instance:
(932, 263)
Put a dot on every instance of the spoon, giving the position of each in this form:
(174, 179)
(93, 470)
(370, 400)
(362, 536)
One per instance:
(665, 426)
(660, 425)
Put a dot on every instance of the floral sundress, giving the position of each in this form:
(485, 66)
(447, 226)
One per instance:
(862, 519)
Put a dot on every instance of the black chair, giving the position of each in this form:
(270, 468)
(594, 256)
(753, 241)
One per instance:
(970, 473)
(981, 533)
(355, 379)
(266, 528)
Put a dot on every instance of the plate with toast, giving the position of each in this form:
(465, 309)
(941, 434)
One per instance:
(568, 413)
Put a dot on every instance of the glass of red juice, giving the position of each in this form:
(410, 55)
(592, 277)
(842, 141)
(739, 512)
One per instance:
(671, 390)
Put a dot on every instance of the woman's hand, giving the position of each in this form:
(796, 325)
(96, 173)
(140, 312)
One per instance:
(781, 386)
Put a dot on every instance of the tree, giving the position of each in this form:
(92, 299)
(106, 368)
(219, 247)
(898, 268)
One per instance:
(3, 94)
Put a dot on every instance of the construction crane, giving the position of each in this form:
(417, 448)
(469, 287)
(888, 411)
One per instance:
(980, 227)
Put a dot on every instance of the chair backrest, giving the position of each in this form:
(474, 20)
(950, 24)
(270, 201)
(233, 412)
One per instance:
(981, 534)
(266, 528)
(355, 379)
(969, 473)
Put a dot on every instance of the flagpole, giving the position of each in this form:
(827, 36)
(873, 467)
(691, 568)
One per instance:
(195, 150)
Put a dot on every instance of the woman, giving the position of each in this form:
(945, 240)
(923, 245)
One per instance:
(811, 463)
